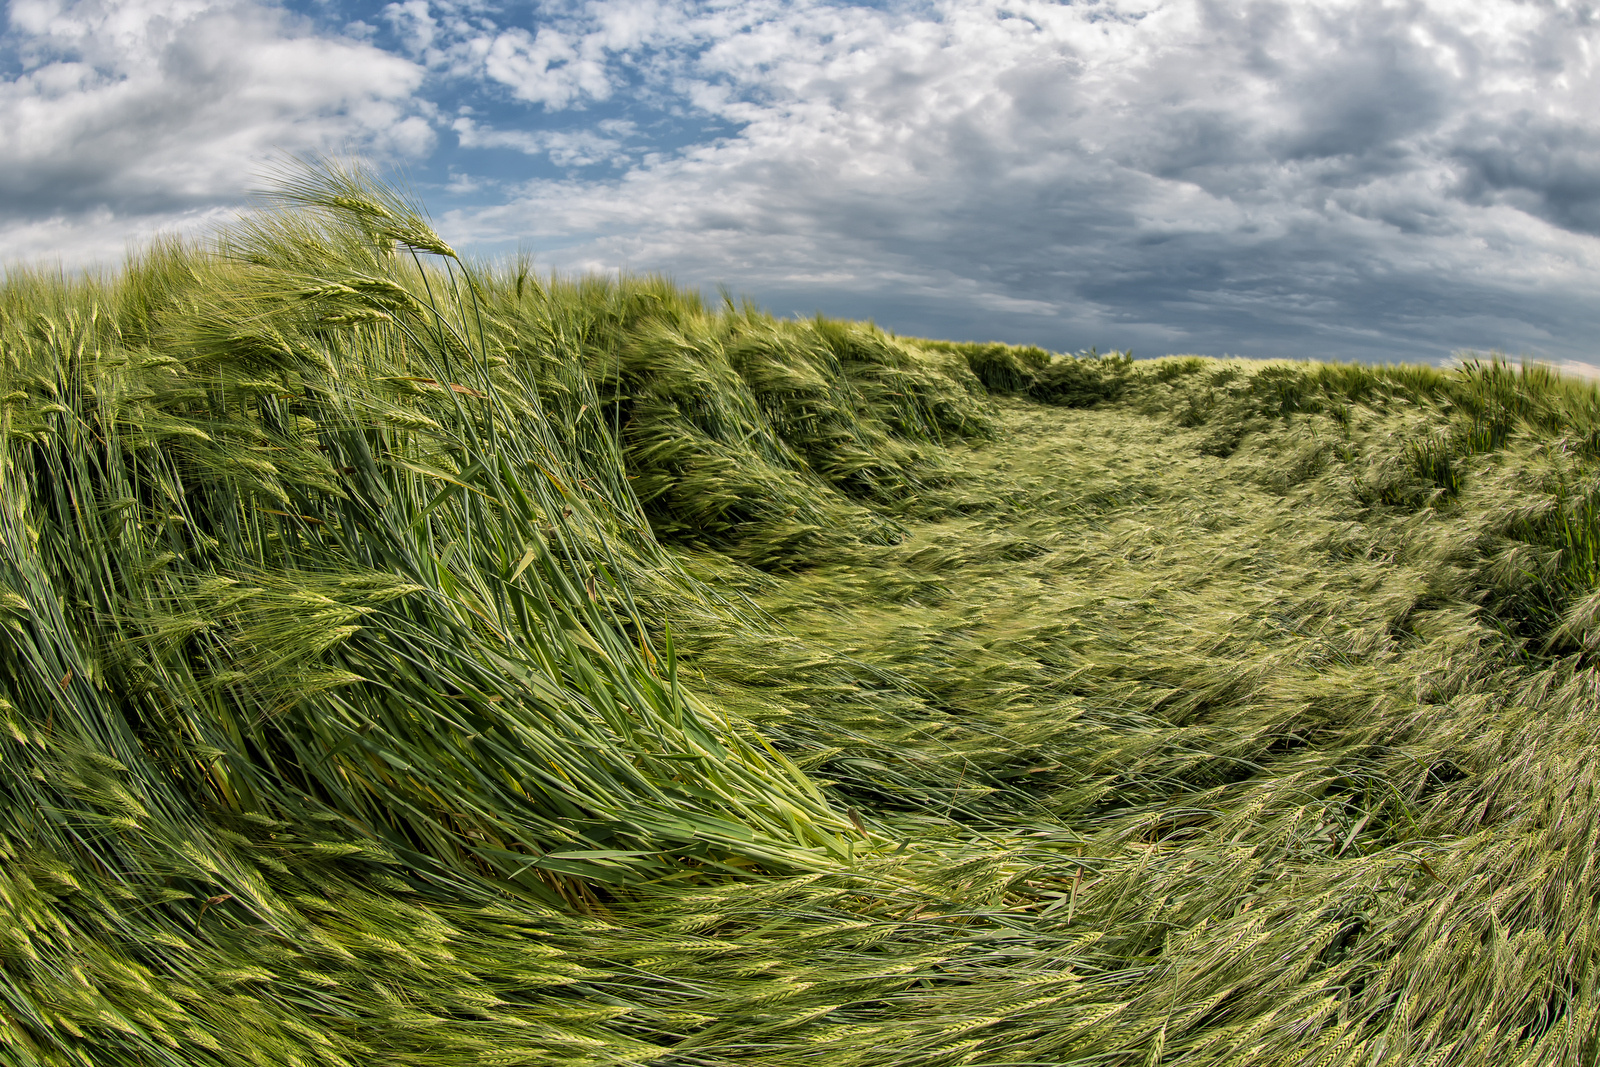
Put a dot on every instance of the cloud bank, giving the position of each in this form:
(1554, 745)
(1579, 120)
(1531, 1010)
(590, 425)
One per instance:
(1378, 179)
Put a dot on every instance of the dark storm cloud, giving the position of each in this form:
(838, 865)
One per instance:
(1547, 168)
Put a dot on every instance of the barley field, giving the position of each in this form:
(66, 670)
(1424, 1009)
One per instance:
(415, 662)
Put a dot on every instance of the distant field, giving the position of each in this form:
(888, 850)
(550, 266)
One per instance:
(417, 663)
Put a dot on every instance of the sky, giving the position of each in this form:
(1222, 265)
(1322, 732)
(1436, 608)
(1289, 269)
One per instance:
(1377, 180)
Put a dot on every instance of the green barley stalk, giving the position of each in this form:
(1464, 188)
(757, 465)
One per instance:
(413, 660)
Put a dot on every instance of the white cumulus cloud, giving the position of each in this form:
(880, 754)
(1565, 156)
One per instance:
(122, 117)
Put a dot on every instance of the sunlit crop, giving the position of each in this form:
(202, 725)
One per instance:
(415, 662)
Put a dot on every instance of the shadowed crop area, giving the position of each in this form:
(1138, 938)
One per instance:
(414, 662)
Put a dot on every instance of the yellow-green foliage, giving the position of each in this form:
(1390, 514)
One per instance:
(413, 663)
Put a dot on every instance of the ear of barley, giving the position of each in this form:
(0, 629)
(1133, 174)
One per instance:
(410, 660)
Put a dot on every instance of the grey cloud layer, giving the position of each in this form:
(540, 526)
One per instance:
(1344, 177)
